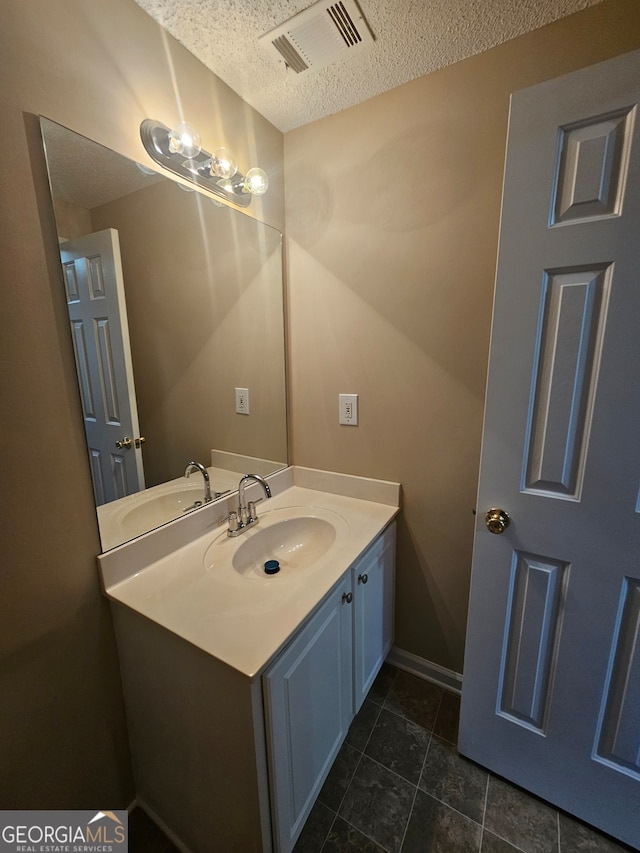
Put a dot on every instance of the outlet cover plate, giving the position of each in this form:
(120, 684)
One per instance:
(348, 409)
(242, 401)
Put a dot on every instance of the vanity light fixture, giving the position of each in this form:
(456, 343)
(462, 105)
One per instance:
(179, 150)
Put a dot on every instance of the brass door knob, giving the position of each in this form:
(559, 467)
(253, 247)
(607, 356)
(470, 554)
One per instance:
(124, 444)
(497, 520)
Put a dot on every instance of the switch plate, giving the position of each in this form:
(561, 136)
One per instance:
(242, 401)
(348, 409)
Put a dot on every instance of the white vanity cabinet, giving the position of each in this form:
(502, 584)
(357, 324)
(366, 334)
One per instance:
(318, 683)
(373, 580)
(308, 708)
(239, 692)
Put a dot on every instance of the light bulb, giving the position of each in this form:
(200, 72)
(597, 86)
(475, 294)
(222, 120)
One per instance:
(223, 164)
(184, 139)
(256, 181)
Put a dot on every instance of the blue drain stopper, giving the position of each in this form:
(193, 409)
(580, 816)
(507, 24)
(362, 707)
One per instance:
(272, 567)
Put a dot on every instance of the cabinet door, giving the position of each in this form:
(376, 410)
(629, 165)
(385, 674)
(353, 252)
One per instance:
(309, 706)
(373, 585)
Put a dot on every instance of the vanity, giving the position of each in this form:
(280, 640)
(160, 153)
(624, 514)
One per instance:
(239, 685)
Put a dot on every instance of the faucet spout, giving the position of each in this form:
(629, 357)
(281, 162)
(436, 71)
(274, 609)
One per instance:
(196, 466)
(244, 481)
(246, 514)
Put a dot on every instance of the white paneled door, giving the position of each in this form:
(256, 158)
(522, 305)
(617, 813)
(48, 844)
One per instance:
(97, 312)
(551, 695)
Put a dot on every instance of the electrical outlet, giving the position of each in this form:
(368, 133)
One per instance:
(348, 409)
(242, 401)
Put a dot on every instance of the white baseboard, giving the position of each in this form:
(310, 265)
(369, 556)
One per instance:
(433, 672)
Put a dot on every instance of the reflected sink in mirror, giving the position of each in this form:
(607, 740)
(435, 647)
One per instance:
(144, 511)
(162, 508)
(299, 538)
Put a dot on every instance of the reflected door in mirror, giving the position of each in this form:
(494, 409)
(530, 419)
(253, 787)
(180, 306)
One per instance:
(97, 314)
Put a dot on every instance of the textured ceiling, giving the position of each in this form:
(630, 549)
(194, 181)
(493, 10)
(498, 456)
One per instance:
(412, 38)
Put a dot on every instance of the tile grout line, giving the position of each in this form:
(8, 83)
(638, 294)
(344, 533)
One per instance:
(397, 775)
(484, 828)
(375, 723)
(328, 833)
(346, 790)
(415, 793)
(417, 787)
(484, 813)
(362, 754)
(368, 837)
(408, 719)
(382, 706)
(342, 799)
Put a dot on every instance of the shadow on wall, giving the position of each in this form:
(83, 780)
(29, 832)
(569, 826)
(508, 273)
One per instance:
(417, 592)
(408, 229)
(413, 181)
(310, 203)
(62, 714)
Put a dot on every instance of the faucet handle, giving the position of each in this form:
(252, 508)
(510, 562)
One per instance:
(251, 510)
(234, 523)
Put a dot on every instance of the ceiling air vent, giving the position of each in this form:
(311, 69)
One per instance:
(320, 35)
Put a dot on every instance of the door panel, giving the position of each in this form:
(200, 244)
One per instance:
(551, 693)
(592, 162)
(532, 632)
(619, 731)
(569, 339)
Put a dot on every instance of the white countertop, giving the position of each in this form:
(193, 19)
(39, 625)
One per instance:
(195, 592)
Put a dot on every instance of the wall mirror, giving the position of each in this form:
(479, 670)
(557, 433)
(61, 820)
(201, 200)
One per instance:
(176, 314)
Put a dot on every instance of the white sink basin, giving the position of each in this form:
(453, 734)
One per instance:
(299, 538)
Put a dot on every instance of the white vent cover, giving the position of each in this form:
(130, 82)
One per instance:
(319, 35)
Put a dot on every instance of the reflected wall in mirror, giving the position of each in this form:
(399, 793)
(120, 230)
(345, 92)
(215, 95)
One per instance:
(175, 301)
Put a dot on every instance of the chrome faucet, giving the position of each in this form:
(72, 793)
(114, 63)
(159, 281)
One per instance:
(245, 516)
(196, 466)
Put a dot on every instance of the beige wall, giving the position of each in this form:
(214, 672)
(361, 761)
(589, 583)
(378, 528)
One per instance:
(392, 225)
(390, 290)
(98, 68)
(205, 313)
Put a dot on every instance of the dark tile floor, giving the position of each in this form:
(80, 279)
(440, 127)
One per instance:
(146, 837)
(398, 785)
